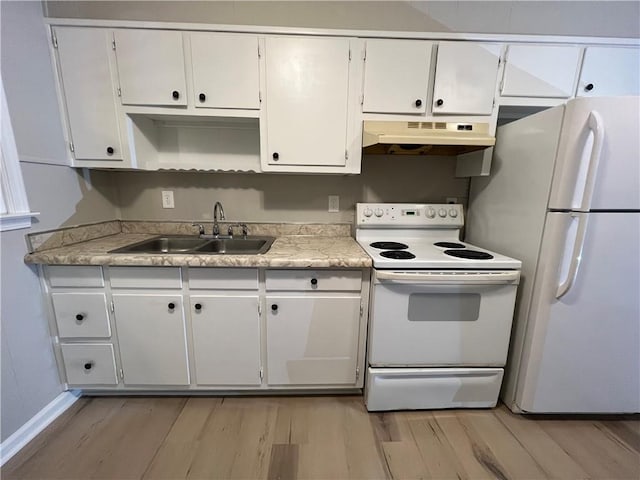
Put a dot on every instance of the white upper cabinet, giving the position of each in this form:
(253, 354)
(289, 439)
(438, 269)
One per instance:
(396, 76)
(465, 79)
(540, 71)
(307, 87)
(151, 67)
(609, 71)
(225, 71)
(89, 95)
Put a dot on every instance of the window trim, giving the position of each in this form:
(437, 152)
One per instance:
(14, 202)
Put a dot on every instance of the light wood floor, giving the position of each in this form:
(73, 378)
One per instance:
(324, 437)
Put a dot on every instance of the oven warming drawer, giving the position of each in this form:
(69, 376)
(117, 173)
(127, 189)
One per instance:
(432, 388)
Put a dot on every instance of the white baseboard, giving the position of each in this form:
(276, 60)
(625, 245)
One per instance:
(36, 424)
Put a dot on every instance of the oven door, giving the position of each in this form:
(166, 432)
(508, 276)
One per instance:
(440, 318)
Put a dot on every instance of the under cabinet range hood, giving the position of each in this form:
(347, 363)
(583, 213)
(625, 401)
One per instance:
(425, 138)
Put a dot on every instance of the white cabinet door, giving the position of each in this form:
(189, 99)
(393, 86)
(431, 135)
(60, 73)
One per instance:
(610, 71)
(226, 339)
(465, 80)
(152, 338)
(540, 71)
(151, 67)
(396, 76)
(89, 95)
(307, 82)
(225, 71)
(312, 340)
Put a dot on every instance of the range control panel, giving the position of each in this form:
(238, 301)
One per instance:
(410, 215)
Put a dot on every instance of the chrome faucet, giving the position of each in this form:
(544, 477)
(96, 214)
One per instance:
(216, 227)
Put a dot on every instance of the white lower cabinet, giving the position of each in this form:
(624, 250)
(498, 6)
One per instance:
(145, 328)
(312, 339)
(226, 339)
(152, 338)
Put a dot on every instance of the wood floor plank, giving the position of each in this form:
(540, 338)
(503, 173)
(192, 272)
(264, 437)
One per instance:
(319, 437)
(283, 464)
(555, 462)
(627, 432)
(474, 456)
(237, 440)
(174, 457)
(599, 454)
(42, 441)
(129, 442)
(404, 460)
(56, 459)
(363, 458)
(324, 455)
(290, 423)
(513, 459)
(437, 454)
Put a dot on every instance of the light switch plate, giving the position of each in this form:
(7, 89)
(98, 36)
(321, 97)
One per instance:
(167, 199)
(334, 203)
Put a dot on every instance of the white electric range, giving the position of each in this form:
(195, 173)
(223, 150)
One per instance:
(441, 309)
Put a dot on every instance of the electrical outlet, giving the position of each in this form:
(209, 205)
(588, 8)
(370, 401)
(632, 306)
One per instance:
(334, 203)
(167, 199)
(452, 199)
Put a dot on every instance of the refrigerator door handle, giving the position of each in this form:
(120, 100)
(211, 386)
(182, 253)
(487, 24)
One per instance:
(596, 125)
(576, 255)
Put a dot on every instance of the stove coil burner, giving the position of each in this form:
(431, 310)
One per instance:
(449, 245)
(471, 254)
(389, 245)
(398, 255)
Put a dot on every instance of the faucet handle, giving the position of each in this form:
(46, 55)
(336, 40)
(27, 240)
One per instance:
(245, 229)
(200, 228)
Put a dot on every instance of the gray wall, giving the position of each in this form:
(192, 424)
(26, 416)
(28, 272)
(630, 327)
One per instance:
(61, 195)
(293, 198)
(588, 18)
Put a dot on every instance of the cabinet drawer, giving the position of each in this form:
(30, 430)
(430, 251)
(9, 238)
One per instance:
(321, 280)
(81, 315)
(75, 276)
(89, 364)
(223, 278)
(145, 277)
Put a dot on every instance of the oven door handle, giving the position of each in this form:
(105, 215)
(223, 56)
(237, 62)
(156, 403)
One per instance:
(448, 278)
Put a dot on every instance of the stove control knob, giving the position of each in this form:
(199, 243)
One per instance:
(442, 212)
(379, 212)
(431, 213)
(368, 212)
(453, 213)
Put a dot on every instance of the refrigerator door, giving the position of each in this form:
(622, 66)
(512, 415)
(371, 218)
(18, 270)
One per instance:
(583, 353)
(598, 161)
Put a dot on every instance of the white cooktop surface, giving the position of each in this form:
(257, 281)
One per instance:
(412, 225)
(429, 256)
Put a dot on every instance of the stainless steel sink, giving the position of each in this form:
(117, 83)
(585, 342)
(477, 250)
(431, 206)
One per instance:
(245, 245)
(249, 245)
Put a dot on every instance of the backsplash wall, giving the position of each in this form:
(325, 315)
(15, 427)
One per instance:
(288, 198)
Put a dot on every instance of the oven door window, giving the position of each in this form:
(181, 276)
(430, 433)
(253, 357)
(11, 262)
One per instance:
(444, 307)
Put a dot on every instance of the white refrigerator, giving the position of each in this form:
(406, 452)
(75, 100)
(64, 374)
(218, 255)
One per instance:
(564, 197)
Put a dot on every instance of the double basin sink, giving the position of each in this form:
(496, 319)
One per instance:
(245, 245)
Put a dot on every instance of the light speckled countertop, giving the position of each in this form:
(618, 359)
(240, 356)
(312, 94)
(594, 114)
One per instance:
(291, 251)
